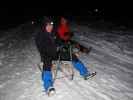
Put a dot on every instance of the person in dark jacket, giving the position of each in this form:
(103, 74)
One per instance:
(47, 48)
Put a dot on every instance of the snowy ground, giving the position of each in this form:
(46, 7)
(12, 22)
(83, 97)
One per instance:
(111, 57)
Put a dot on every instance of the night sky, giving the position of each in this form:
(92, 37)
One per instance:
(14, 16)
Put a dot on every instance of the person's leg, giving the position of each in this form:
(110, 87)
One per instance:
(80, 66)
(47, 75)
(47, 79)
(46, 64)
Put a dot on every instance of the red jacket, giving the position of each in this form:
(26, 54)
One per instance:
(63, 32)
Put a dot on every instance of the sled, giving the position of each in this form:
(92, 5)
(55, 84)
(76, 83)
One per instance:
(64, 66)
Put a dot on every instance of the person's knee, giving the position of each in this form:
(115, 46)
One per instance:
(46, 68)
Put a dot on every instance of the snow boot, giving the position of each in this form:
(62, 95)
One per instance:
(86, 77)
(51, 91)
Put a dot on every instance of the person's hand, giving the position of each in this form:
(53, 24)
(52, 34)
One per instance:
(77, 54)
(41, 64)
(87, 50)
(57, 48)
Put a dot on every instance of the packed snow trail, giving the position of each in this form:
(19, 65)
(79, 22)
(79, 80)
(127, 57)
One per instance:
(111, 57)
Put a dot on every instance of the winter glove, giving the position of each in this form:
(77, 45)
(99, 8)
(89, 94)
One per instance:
(86, 50)
(83, 49)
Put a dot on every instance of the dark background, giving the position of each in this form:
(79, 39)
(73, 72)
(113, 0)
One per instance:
(11, 17)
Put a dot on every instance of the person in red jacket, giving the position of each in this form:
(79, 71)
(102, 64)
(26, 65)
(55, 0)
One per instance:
(64, 36)
(63, 30)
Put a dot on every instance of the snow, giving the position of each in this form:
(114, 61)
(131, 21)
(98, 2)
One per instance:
(111, 57)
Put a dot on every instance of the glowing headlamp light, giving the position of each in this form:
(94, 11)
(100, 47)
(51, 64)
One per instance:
(51, 23)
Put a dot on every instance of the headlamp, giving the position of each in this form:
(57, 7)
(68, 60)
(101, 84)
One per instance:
(51, 23)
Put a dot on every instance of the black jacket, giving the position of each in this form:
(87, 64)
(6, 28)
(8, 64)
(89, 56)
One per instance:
(46, 45)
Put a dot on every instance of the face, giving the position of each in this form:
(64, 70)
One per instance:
(49, 27)
(63, 21)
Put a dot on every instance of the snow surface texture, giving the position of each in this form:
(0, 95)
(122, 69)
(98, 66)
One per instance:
(111, 57)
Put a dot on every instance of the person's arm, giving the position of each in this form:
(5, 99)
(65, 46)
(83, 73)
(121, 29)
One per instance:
(80, 47)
